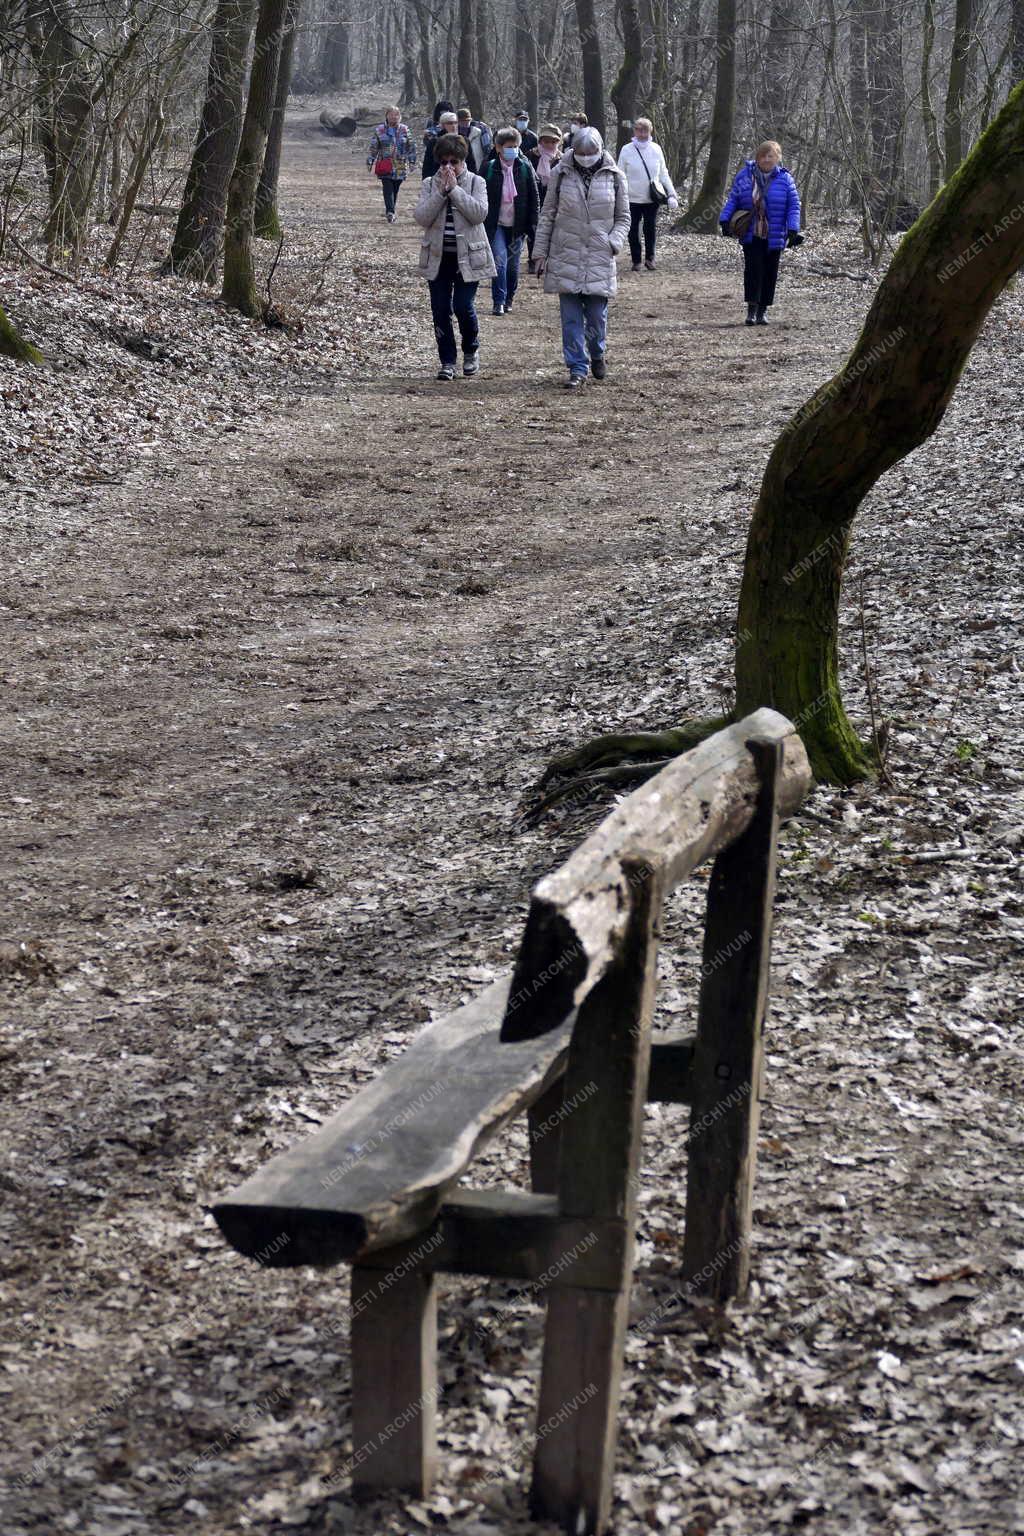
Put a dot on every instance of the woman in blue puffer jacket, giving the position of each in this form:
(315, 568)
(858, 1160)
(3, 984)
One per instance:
(764, 188)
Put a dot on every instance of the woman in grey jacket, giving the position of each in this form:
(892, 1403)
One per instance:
(454, 252)
(583, 227)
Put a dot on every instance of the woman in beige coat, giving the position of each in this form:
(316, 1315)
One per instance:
(583, 227)
(454, 252)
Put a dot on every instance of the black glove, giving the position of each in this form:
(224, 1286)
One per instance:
(725, 231)
(793, 239)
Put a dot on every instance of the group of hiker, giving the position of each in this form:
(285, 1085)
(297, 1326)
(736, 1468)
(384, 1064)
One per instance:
(561, 193)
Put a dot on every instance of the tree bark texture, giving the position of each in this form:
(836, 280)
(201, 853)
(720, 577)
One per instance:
(467, 73)
(887, 106)
(196, 246)
(593, 68)
(703, 213)
(627, 81)
(65, 116)
(267, 222)
(953, 123)
(930, 124)
(239, 286)
(888, 398)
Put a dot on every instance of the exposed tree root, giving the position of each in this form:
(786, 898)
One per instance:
(620, 758)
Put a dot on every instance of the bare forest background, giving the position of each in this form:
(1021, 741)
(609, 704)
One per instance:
(140, 130)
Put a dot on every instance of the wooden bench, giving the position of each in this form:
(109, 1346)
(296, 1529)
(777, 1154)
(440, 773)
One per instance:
(567, 1040)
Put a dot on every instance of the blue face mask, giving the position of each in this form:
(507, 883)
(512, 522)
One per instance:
(509, 152)
(522, 122)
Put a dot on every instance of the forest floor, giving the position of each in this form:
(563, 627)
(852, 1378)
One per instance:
(289, 629)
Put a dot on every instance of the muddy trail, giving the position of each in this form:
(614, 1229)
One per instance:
(273, 704)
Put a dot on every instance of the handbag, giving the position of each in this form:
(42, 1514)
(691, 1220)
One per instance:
(740, 222)
(658, 194)
(385, 166)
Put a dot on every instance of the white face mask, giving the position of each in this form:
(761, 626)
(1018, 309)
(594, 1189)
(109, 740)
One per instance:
(586, 160)
(522, 122)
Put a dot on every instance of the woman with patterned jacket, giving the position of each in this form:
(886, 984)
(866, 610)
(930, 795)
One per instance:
(392, 153)
(766, 192)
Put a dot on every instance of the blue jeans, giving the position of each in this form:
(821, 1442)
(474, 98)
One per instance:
(451, 294)
(584, 329)
(506, 247)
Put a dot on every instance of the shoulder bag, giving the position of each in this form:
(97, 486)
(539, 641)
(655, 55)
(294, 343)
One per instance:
(658, 193)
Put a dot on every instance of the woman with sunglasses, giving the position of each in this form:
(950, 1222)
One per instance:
(455, 253)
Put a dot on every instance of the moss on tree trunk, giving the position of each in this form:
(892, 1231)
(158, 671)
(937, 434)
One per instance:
(887, 399)
(12, 343)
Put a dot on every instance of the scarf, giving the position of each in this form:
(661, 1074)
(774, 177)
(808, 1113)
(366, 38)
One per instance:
(508, 182)
(643, 144)
(545, 164)
(759, 199)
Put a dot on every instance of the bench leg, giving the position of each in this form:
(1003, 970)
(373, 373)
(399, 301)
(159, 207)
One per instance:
(545, 1131)
(604, 1097)
(727, 1064)
(394, 1382)
(578, 1412)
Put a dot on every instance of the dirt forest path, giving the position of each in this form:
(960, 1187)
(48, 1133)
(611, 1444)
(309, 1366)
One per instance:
(275, 703)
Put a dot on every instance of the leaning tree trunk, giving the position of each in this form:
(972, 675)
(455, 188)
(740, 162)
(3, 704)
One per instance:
(703, 212)
(197, 237)
(627, 81)
(467, 74)
(593, 69)
(266, 221)
(13, 345)
(888, 398)
(953, 125)
(239, 287)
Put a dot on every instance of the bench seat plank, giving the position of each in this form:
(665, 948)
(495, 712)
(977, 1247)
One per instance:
(377, 1171)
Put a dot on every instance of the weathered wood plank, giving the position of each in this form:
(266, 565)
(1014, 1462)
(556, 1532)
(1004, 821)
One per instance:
(544, 1124)
(669, 1080)
(694, 807)
(727, 1067)
(394, 1383)
(378, 1170)
(606, 1079)
(510, 1234)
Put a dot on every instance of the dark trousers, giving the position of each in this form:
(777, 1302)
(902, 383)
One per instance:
(648, 213)
(389, 186)
(506, 248)
(760, 272)
(451, 295)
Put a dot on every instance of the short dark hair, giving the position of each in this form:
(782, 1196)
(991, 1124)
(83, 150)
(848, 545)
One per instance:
(448, 144)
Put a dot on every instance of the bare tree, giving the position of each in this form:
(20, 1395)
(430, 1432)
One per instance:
(239, 286)
(266, 221)
(195, 249)
(703, 212)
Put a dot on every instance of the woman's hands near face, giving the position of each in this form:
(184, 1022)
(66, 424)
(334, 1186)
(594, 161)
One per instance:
(449, 178)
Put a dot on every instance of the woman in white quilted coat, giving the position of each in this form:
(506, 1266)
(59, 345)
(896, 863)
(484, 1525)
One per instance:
(583, 227)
